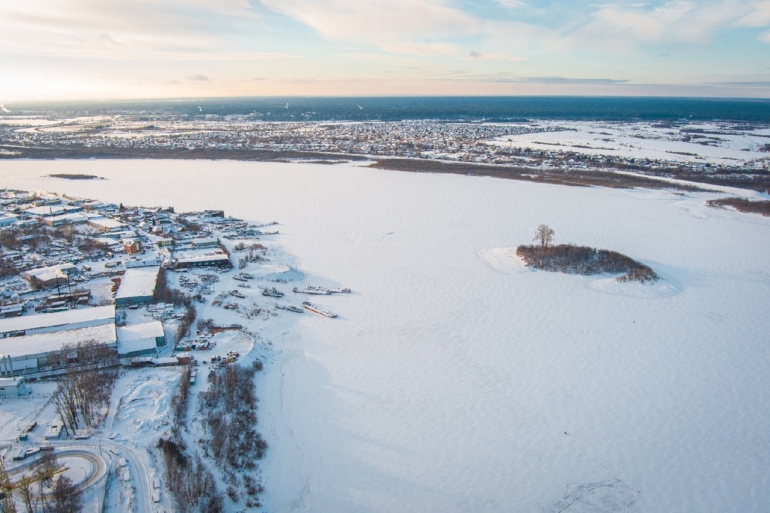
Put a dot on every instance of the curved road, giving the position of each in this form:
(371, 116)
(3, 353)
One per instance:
(97, 462)
(143, 485)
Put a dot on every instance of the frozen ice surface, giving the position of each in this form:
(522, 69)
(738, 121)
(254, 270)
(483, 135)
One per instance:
(456, 380)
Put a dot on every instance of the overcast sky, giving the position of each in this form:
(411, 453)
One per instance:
(93, 49)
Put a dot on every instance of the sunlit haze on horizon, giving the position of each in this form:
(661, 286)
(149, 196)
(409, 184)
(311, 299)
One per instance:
(87, 49)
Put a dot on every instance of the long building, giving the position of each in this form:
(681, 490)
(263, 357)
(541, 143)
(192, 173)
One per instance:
(59, 321)
(30, 354)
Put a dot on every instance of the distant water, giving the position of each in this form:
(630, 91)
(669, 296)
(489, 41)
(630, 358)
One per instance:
(437, 108)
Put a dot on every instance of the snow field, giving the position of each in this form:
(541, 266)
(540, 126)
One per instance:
(456, 380)
(645, 140)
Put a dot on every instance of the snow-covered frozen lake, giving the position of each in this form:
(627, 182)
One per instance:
(457, 380)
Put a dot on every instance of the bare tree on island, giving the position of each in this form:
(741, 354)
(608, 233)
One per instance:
(544, 235)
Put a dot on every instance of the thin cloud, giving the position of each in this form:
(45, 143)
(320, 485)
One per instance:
(682, 21)
(568, 80)
(749, 83)
(107, 39)
(198, 78)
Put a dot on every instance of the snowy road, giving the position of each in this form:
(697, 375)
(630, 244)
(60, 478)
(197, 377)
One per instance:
(98, 465)
(91, 449)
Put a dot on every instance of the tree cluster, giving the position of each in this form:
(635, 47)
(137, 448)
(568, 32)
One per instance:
(188, 225)
(571, 259)
(185, 322)
(7, 268)
(88, 245)
(192, 484)
(229, 418)
(54, 494)
(85, 388)
(162, 292)
(252, 256)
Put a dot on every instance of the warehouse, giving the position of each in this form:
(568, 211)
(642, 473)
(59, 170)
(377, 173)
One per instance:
(137, 286)
(59, 321)
(33, 353)
(105, 224)
(211, 259)
(140, 339)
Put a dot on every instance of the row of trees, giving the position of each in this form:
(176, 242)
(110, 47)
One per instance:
(192, 484)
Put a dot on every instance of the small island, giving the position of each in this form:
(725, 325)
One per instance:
(75, 176)
(584, 260)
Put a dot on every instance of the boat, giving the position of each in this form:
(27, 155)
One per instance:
(272, 292)
(290, 308)
(317, 309)
(339, 291)
(236, 294)
(244, 285)
(239, 278)
(320, 291)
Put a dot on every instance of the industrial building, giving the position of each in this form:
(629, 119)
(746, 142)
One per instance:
(140, 339)
(51, 276)
(32, 353)
(106, 225)
(59, 321)
(196, 259)
(137, 286)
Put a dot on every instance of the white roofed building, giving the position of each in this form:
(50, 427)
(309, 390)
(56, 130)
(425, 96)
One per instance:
(105, 224)
(13, 387)
(137, 286)
(59, 321)
(140, 339)
(50, 276)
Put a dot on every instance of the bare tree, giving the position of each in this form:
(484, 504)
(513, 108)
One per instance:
(25, 492)
(544, 235)
(66, 496)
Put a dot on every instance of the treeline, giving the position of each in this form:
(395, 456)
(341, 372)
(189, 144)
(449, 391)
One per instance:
(74, 176)
(743, 205)
(229, 422)
(86, 387)
(584, 260)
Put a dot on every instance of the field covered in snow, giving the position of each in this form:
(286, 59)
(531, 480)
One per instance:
(704, 143)
(455, 379)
